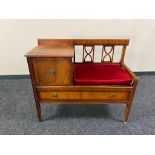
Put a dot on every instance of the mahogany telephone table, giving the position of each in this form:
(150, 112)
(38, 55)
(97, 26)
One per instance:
(57, 78)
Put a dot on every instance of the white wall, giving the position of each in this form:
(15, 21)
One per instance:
(19, 36)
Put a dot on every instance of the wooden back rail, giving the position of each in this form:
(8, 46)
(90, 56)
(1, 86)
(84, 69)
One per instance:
(91, 43)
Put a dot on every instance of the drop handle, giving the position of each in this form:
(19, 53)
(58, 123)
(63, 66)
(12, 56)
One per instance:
(112, 95)
(52, 72)
(55, 95)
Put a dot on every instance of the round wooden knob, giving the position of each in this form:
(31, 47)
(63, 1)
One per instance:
(55, 95)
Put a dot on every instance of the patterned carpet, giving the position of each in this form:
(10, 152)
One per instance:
(18, 113)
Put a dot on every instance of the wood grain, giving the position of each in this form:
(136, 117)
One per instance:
(68, 42)
(84, 95)
(51, 51)
(87, 88)
(33, 82)
(53, 71)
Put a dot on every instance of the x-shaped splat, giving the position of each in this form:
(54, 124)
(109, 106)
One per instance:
(107, 54)
(88, 53)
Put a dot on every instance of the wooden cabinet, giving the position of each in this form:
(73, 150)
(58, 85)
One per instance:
(51, 71)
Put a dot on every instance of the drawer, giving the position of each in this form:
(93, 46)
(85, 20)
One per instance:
(58, 95)
(106, 95)
(83, 95)
(52, 71)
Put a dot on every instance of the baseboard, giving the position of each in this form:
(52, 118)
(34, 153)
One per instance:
(147, 73)
(14, 77)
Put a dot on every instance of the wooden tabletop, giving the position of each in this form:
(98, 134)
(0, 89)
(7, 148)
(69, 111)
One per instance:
(51, 51)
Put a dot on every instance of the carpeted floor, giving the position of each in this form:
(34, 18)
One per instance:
(18, 113)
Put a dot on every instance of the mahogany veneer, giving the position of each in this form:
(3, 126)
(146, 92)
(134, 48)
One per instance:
(51, 66)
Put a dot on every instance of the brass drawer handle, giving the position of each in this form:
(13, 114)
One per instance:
(52, 72)
(112, 95)
(55, 95)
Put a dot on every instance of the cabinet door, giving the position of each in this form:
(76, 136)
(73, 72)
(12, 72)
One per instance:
(53, 71)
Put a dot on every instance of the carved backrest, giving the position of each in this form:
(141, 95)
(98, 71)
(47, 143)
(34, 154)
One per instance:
(89, 46)
(106, 54)
(107, 47)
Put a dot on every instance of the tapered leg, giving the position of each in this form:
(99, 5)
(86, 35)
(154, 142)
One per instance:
(129, 104)
(127, 111)
(38, 107)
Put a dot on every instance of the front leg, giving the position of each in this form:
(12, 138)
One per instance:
(127, 111)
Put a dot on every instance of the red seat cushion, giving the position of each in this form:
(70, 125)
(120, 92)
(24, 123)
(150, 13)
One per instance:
(100, 74)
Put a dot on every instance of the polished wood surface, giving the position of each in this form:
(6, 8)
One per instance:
(68, 42)
(51, 51)
(84, 95)
(51, 70)
(33, 81)
(88, 88)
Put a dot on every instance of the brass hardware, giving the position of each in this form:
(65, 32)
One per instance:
(52, 72)
(112, 95)
(55, 94)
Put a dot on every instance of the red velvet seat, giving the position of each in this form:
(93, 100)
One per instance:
(100, 74)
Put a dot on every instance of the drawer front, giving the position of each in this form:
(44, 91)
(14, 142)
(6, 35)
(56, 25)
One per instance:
(104, 95)
(52, 71)
(58, 95)
(83, 95)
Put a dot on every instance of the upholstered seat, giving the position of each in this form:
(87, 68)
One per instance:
(100, 74)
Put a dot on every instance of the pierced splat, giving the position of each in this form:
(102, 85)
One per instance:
(107, 54)
(88, 54)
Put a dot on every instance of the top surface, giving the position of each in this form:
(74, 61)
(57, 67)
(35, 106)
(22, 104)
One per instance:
(51, 51)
